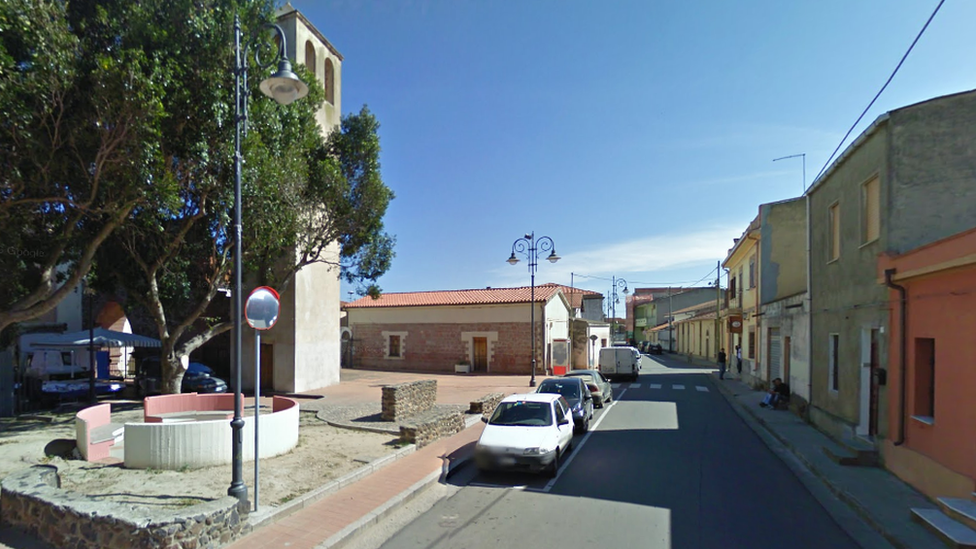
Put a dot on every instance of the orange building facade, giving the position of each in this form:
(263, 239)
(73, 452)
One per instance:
(932, 295)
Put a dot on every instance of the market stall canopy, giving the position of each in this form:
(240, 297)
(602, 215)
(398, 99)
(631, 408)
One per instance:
(102, 338)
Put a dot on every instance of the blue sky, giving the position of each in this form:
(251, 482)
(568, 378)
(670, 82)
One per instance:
(639, 135)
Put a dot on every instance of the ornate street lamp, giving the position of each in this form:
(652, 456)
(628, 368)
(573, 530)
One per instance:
(284, 87)
(617, 283)
(527, 246)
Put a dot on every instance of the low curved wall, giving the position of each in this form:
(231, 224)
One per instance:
(34, 502)
(154, 407)
(204, 443)
(86, 420)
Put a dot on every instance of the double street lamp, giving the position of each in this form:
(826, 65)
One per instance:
(622, 285)
(530, 248)
(284, 87)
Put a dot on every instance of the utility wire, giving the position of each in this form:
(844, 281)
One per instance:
(890, 78)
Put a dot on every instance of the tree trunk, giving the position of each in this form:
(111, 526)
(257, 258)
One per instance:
(172, 371)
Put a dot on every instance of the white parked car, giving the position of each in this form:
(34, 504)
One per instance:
(529, 432)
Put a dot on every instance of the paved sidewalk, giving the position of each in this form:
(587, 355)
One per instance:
(880, 499)
(335, 517)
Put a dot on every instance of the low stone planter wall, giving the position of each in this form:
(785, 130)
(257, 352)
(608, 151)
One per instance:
(33, 501)
(425, 428)
(486, 404)
(407, 399)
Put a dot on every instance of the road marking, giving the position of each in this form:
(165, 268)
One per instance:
(702, 389)
(578, 447)
(615, 385)
(678, 387)
(635, 385)
(655, 385)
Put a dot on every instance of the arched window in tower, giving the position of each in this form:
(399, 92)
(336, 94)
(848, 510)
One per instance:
(329, 82)
(310, 57)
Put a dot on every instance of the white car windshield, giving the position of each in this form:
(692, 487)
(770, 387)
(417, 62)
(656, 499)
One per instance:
(522, 414)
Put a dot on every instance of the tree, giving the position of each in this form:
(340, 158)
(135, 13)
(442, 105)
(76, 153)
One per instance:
(307, 198)
(75, 133)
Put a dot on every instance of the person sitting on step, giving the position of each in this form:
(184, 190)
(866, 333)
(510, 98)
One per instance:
(780, 392)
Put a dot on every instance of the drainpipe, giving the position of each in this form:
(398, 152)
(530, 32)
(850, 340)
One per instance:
(809, 299)
(902, 344)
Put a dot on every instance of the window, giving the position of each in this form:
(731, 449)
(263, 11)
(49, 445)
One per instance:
(732, 288)
(834, 372)
(329, 82)
(752, 344)
(833, 222)
(603, 342)
(924, 405)
(310, 57)
(741, 286)
(752, 272)
(871, 211)
(395, 344)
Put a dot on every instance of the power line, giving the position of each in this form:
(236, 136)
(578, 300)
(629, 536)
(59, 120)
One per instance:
(890, 78)
(634, 282)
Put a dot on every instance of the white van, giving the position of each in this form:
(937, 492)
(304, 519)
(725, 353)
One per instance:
(617, 362)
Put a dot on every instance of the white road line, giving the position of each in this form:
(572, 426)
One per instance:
(635, 385)
(655, 385)
(615, 385)
(677, 386)
(578, 447)
(702, 389)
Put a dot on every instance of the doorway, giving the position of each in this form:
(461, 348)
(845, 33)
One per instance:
(480, 349)
(875, 389)
(267, 367)
(786, 358)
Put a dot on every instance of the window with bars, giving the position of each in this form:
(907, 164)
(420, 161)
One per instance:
(394, 350)
(752, 272)
(870, 211)
(834, 371)
(833, 222)
(924, 405)
(752, 344)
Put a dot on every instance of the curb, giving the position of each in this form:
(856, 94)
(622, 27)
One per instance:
(806, 472)
(392, 504)
(274, 514)
(265, 518)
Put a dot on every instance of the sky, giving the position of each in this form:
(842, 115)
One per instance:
(638, 135)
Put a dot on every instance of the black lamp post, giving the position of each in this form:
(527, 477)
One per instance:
(527, 246)
(284, 87)
(617, 283)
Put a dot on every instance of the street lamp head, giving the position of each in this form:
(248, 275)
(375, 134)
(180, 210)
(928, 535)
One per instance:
(626, 291)
(513, 260)
(553, 257)
(284, 86)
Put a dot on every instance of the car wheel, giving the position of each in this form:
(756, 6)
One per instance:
(586, 426)
(554, 466)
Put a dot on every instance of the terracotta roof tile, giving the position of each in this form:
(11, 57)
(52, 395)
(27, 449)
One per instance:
(485, 296)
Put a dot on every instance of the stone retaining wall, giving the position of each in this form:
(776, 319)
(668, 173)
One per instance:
(32, 501)
(407, 399)
(486, 404)
(430, 426)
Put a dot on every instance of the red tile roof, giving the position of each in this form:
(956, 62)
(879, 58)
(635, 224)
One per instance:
(575, 295)
(485, 296)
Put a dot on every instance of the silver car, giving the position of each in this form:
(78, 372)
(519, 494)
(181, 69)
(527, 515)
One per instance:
(598, 383)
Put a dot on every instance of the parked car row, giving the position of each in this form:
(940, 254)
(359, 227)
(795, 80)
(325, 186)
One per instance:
(649, 348)
(531, 432)
(198, 378)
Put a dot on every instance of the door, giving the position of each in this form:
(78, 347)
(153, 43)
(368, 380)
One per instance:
(873, 405)
(480, 347)
(786, 359)
(775, 354)
(267, 367)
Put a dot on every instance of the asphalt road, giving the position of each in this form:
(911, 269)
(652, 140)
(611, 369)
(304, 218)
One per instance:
(669, 465)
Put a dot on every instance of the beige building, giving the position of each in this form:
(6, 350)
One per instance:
(302, 351)
(742, 264)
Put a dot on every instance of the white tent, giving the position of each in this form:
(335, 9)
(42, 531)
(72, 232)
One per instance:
(102, 338)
